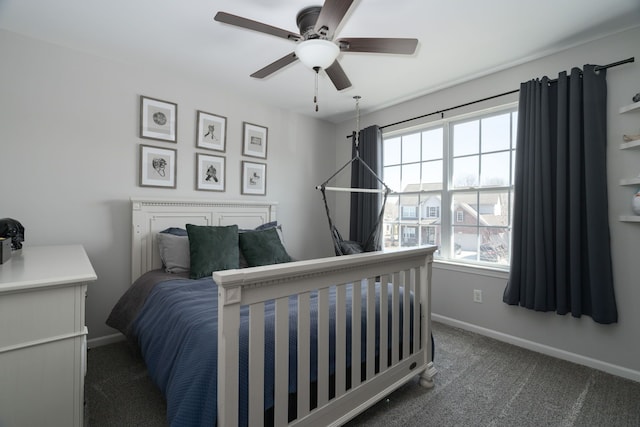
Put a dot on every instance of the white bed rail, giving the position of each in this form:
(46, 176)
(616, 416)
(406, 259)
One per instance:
(409, 272)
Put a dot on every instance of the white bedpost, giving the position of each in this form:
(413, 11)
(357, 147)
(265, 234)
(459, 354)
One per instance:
(228, 354)
(426, 377)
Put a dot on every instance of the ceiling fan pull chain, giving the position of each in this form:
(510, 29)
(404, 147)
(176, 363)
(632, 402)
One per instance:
(315, 94)
(357, 136)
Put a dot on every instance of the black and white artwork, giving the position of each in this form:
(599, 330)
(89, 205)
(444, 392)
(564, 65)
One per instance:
(212, 131)
(254, 178)
(158, 119)
(255, 141)
(210, 172)
(157, 166)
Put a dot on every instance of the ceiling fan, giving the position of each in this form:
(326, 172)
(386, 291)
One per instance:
(316, 47)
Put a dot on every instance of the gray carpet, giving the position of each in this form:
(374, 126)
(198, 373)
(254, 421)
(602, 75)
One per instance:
(480, 382)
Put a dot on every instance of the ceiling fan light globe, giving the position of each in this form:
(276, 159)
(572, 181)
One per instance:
(317, 53)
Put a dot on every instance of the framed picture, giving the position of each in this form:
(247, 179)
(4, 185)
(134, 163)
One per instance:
(210, 172)
(255, 140)
(212, 131)
(157, 166)
(158, 119)
(254, 178)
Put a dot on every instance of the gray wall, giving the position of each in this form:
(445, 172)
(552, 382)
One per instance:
(615, 348)
(69, 154)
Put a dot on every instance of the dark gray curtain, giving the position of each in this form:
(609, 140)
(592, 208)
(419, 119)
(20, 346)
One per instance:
(365, 207)
(561, 257)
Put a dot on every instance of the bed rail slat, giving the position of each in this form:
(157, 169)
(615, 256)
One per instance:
(395, 319)
(384, 323)
(228, 345)
(256, 365)
(416, 311)
(323, 347)
(281, 380)
(341, 340)
(304, 352)
(356, 333)
(406, 312)
(371, 327)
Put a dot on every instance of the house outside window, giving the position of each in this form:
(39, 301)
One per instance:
(453, 186)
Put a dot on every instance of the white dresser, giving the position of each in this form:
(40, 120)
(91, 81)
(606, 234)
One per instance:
(43, 336)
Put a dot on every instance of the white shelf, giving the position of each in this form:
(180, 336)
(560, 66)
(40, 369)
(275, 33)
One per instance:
(630, 181)
(628, 145)
(627, 108)
(630, 218)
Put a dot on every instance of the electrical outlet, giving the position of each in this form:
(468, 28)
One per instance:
(477, 295)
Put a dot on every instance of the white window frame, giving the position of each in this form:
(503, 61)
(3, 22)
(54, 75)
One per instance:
(449, 218)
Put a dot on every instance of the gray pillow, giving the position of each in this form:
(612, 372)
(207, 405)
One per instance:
(174, 252)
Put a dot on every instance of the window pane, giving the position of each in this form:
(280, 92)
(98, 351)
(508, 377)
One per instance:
(465, 138)
(410, 177)
(494, 245)
(391, 225)
(432, 175)
(465, 209)
(465, 243)
(408, 235)
(465, 172)
(514, 125)
(432, 144)
(495, 169)
(391, 177)
(430, 234)
(411, 148)
(496, 133)
(430, 205)
(391, 151)
(494, 208)
(409, 208)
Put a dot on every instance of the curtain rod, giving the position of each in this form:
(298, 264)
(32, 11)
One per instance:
(441, 112)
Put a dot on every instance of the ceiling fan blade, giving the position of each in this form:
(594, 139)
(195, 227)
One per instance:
(239, 21)
(338, 76)
(378, 45)
(275, 66)
(332, 13)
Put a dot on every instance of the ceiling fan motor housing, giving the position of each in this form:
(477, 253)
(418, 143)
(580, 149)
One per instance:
(306, 20)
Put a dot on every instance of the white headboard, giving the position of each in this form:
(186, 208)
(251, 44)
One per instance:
(150, 216)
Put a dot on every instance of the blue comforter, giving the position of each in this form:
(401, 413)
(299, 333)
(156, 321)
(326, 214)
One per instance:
(177, 334)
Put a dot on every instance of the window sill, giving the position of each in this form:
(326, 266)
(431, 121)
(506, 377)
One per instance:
(482, 270)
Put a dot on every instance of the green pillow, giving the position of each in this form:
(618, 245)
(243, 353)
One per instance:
(212, 249)
(263, 247)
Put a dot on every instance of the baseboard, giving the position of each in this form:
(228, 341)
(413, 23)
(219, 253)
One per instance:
(541, 348)
(107, 339)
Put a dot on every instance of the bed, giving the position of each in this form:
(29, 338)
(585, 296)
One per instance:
(275, 344)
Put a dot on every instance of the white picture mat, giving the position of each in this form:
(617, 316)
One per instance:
(212, 131)
(157, 166)
(164, 126)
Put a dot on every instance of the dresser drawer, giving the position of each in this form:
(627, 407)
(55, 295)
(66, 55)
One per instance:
(41, 314)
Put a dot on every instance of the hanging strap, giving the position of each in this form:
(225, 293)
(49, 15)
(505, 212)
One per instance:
(335, 234)
(374, 241)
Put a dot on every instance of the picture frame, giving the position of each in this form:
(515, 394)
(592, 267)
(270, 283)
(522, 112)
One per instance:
(158, 166)
(211, 172)
(255, 140)
(254, 178)
(212, 131)
(158, 119)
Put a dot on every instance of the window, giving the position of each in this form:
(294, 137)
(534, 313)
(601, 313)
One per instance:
(453, 187)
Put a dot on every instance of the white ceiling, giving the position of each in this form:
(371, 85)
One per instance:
(458, 40)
